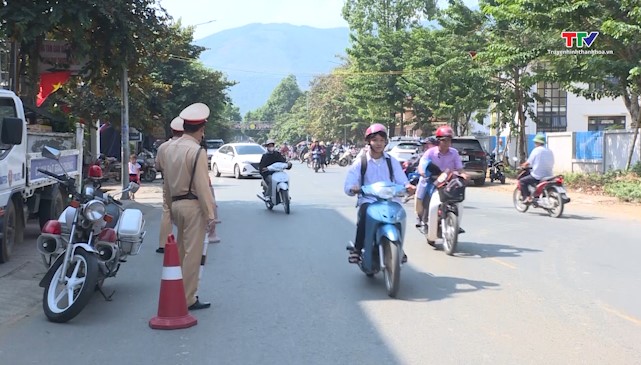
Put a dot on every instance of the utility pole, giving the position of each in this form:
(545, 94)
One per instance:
(124, 118)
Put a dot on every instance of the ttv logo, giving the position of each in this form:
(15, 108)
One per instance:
(582, 38)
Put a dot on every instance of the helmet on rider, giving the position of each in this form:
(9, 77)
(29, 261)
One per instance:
(268, 142)
(444, 132)
(374, 129)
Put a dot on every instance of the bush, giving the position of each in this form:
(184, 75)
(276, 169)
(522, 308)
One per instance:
(637, 168)
(628, 190)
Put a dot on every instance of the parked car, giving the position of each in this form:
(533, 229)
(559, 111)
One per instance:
(239, 159)
(212, 146)
(473, 156)
(404, 150)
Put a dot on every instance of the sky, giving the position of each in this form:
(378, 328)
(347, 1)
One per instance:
(215, 16)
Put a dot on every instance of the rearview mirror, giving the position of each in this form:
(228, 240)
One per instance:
(133, 187)
(51, 153)
(11, 131)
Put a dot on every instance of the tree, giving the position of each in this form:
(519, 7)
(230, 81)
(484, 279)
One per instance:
(378, 31)
(443, 78)
(512, 56)
(280, 101)
(619, 26)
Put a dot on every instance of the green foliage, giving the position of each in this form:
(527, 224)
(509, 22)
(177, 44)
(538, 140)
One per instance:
(637, 168)
(629, 191)
(280, 101)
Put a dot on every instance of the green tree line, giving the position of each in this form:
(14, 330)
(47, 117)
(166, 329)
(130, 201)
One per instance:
(163, 69)
(456, 64)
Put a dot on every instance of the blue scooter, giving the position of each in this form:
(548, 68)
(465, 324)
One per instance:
(384, 233)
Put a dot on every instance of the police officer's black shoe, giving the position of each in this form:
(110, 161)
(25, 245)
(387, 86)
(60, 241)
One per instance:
(160, 250)
(461, 230)
(199, 305)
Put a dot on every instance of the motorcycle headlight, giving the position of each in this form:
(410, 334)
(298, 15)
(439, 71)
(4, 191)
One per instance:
(94, 210)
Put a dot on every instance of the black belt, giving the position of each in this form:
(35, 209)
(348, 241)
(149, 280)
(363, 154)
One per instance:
(188, 196)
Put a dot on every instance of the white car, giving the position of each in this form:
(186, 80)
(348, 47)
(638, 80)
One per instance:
(405, 150)
(239, 159)
(212, 146)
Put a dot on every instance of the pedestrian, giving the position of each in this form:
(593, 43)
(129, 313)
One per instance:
(134, 173)
(189, 197)
(176, 126)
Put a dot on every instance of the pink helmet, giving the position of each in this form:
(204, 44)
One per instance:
(375, 128)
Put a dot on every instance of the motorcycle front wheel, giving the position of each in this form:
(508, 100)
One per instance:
(392, 272)
(450, 233)
(63, 301)
(518, 201)
(284, 197)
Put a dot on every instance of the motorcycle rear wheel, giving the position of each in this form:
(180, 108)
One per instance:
(450, 233)
(557, 211)
(392, 272)
(62, 303)
(519, 205)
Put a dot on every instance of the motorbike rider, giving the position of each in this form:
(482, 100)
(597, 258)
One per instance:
(380, 165)
(428, 143)
(542, 162)
(443, 156)
(269, 157)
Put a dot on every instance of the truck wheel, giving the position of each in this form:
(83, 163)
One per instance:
(51, 208)
(9, 228)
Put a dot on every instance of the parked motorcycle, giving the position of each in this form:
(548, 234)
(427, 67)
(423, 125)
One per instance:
(335, 156)
(84, 246)
(384, 233)
(549, 194)
(445, 211)
(147, 163)
(111, 167)
(280, 186)
(496, 170)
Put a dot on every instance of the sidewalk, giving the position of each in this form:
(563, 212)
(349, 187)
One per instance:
(20, 295)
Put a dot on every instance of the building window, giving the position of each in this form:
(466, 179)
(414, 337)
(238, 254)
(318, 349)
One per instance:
(606, 123)
(551, 115)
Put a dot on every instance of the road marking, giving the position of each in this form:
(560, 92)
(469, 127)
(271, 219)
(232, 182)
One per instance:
(501, 262)
(634, 320)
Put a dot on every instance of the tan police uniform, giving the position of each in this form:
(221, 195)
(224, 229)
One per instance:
(191, 206)
(165, 221)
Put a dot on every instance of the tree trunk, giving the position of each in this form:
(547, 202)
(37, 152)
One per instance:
(521, 117)
(631, 100)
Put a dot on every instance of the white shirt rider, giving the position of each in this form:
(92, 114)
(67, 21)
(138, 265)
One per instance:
(542, 161)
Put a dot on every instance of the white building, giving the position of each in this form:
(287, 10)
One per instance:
(568, 112)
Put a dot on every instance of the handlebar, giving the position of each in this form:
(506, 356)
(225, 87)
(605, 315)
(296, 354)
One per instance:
(51, 174)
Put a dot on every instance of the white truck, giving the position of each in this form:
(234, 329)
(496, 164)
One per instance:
(24, 191)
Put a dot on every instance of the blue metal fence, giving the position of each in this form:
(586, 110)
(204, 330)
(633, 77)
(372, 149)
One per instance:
(588, 145)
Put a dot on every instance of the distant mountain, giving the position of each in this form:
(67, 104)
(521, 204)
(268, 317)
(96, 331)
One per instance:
(259, 56)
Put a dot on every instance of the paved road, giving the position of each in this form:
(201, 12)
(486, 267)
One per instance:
(525, 289)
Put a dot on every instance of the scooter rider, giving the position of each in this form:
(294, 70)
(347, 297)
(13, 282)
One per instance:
(269, 157)
(542, 162)
(444, 156)
(380, 167)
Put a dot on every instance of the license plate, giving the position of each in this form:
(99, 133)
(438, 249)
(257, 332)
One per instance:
(561, 190)
(465, 158)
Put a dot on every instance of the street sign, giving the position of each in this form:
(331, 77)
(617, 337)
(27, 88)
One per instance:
(135, 135)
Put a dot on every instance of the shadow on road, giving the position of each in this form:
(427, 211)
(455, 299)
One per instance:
(488, 250)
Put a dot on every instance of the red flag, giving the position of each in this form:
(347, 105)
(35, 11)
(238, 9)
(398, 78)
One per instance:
(472, 54)
(50, 82)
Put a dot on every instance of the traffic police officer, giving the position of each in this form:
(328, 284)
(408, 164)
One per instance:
(186, 178)
(176, 126)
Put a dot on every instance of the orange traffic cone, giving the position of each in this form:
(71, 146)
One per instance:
(172, 305)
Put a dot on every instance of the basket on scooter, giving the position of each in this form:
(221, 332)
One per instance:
(453, 191)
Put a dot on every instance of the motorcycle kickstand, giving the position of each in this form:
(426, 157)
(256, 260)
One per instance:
(107, 298)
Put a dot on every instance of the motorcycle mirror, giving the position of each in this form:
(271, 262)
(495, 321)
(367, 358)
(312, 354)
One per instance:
(133, 187)
(50, 153)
